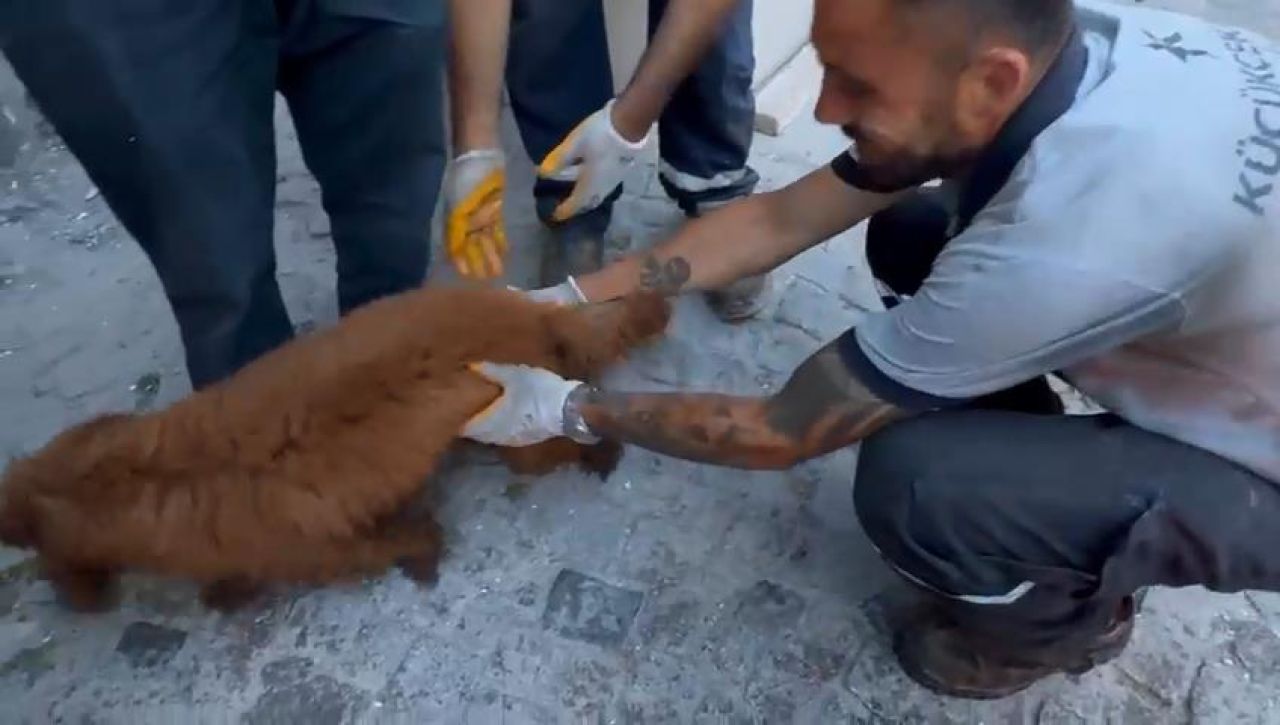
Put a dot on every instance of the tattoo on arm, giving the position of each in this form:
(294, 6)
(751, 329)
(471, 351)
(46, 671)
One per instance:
(823, 408)
(667, 278)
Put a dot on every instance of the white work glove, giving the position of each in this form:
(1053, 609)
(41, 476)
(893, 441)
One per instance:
(474, 236)
(531, 409)
(596, 157)
(565, 294)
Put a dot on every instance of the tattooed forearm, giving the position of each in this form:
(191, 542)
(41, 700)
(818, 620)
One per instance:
(718, 429)
(821, 410)
(825, 405)
(667, 277)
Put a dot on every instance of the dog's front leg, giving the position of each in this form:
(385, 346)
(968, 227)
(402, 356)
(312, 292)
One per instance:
(83, 587)
(230, 594)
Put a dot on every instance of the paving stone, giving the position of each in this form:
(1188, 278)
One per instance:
(587, 609)
(146, 645)
(294, 693)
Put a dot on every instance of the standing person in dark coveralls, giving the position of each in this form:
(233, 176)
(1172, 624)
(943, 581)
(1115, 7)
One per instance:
(694, 83)
(1111, 213)
(168, 105)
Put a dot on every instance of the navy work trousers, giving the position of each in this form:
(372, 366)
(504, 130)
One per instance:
(168, 104)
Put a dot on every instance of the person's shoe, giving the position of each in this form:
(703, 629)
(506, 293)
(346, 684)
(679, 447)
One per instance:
(943, 657)
(741, 300)
(573, 250)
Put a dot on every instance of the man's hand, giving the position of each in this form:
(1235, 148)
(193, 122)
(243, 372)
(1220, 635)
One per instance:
(530, 411)
(474, 235)
(596, 157)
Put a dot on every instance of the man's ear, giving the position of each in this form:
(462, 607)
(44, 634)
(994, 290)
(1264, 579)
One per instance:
(990, 89)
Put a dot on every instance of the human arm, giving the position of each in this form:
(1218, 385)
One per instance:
(474, 236)
(745, 238)
(597, 154)
(821, 409)
(685, 33)
(477, 58)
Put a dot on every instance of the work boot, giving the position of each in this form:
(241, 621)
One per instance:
(943, 657)
(574, 247)
(741, 300)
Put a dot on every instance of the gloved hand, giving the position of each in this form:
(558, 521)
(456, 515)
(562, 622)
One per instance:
(474, 235)
(596, 156)
(565, 294)
(531, 409)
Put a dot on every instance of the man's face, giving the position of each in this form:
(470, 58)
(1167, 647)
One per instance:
(892, 92)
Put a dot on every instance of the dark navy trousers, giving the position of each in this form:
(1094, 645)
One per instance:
(558, 73)
(1033, 525)
(168, 104)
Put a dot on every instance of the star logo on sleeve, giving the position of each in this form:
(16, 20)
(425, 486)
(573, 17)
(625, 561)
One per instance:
(1172, 44)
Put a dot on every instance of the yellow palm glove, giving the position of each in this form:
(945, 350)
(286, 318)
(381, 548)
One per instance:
(474, 235)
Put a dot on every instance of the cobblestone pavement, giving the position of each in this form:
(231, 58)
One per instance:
(671, 593)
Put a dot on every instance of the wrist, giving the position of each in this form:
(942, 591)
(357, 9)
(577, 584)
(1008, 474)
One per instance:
(489, 153)
(477, 136)
(614, 281)
(573, 423)
(629, 122)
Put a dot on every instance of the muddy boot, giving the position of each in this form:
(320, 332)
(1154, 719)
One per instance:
(575, 247)
(941, 656)
(741, 300)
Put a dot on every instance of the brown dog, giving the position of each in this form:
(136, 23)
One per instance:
(300, 468)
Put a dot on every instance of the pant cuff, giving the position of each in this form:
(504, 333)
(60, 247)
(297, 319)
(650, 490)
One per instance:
(697, 194)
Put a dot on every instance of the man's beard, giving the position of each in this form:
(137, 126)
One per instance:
(907, 170)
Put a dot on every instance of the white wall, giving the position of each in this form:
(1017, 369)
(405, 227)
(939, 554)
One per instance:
(781, 28)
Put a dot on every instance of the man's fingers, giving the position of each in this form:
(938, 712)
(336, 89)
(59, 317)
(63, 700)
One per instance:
(475, 260)
(500, 239)
(562, 155)
(572, 206)
(492, 257)
(488, 214)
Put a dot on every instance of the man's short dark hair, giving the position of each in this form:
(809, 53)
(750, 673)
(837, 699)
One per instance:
(1036, 24)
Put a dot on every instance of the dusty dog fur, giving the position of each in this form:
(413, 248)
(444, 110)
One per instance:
(299, 468)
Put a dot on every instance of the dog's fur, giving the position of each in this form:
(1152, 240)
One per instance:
(300, 468)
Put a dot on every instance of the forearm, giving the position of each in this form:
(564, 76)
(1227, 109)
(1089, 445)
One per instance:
(478, 55)
(744, 238)
(718, 429)
(737, 432)
(709, 252)
(822, 408)
(687, 30)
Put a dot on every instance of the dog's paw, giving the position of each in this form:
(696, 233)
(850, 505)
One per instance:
(423, 569)
(601, 459)
(89, 591)
(89, 602)
(229, 595)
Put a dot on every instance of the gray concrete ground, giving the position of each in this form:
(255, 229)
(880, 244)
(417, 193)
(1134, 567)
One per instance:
(671, 593)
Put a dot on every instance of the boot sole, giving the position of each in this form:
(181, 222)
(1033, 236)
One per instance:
(939, 687)
(1094, 659)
